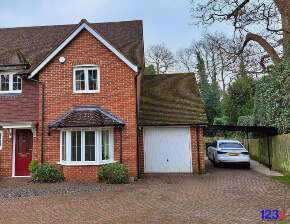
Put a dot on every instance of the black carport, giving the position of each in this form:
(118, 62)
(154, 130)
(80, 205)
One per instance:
(261, 129)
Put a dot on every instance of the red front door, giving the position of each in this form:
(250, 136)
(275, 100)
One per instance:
(23, 152)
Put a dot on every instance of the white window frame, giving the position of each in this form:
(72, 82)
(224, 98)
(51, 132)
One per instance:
(10, 83)
(98, 147)
(86, 68)
(1, 139)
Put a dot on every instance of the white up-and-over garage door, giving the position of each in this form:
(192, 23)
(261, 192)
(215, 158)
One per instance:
(167, 150)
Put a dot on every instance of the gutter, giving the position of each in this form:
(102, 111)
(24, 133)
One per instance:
(137, 120)
(42, 110)
(177, 124)
(85, 126)
(27, 65)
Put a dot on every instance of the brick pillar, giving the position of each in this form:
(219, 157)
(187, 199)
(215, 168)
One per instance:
(6, 155)
(193, 134)
(141, 152)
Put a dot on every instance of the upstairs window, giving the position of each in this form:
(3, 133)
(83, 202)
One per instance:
(86, 79)
(10, 83)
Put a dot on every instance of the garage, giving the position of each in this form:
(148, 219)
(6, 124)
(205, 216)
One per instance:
(167, 150)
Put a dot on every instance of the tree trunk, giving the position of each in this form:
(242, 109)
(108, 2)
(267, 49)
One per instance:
(284, 9)
(214, 73)
(222, 75)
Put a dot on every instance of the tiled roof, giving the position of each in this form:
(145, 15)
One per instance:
(33, 44)
(86, 116)
(170, 99)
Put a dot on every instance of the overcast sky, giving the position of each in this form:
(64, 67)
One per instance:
(164, 21)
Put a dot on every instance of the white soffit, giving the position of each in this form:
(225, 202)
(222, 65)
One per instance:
(19, 125)
(95, 34)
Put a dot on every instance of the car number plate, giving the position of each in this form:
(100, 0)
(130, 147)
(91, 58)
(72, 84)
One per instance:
(233, 154)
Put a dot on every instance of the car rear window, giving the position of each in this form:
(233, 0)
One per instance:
(230, 145)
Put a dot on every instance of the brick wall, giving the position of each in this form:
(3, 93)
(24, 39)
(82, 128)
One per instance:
(22, 107)
(117, 95)
(81, 173)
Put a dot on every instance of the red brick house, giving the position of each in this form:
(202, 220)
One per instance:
(69, 95)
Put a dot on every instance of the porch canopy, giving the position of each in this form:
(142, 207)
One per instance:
(86, 116)
(19, 125)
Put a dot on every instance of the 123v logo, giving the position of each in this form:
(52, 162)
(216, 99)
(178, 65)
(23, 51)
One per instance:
(272, 214)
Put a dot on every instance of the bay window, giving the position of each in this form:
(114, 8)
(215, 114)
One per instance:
(91, 147)
(10, 83)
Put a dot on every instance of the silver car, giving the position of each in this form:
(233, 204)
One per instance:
(228, 151)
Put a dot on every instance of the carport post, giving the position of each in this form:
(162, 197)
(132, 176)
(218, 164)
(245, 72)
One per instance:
(269, 156)
(248, 142)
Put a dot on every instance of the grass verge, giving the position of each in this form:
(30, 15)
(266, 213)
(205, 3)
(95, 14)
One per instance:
(284, 179)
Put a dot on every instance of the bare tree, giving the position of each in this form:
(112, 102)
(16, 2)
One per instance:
(186, 57)
(161, 57)
(221, 59)
(219, 56)
(264, 22)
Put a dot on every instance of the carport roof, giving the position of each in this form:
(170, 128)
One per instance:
(261, 129)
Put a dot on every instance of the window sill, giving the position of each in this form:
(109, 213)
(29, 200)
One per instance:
(11, 94)
(85, 92)
(85, 164)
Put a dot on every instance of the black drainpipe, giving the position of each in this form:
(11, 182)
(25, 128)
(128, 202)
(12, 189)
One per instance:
(197, 139)
(121, 158)
(137, 120)
(42, 112)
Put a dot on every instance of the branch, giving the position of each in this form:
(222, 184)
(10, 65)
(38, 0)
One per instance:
(267, 47)
(235, 12)
(262, 61)
(267, 17)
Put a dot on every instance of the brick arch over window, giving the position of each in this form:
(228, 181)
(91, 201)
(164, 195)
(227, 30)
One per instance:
(86, 61)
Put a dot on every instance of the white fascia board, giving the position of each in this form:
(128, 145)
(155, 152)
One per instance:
(76, 32)
(19, 125)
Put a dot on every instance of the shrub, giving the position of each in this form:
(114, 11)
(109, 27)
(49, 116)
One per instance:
(224, 121)
(113, 173)
(32, 165)
(47, 173)
(272, 99)
(246, 120)
(240, 99)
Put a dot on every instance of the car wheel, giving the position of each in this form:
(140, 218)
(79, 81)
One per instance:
(247, 165)
(213, 161)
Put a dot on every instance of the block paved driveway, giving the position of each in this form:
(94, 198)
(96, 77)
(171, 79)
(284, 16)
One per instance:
(223, 195)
